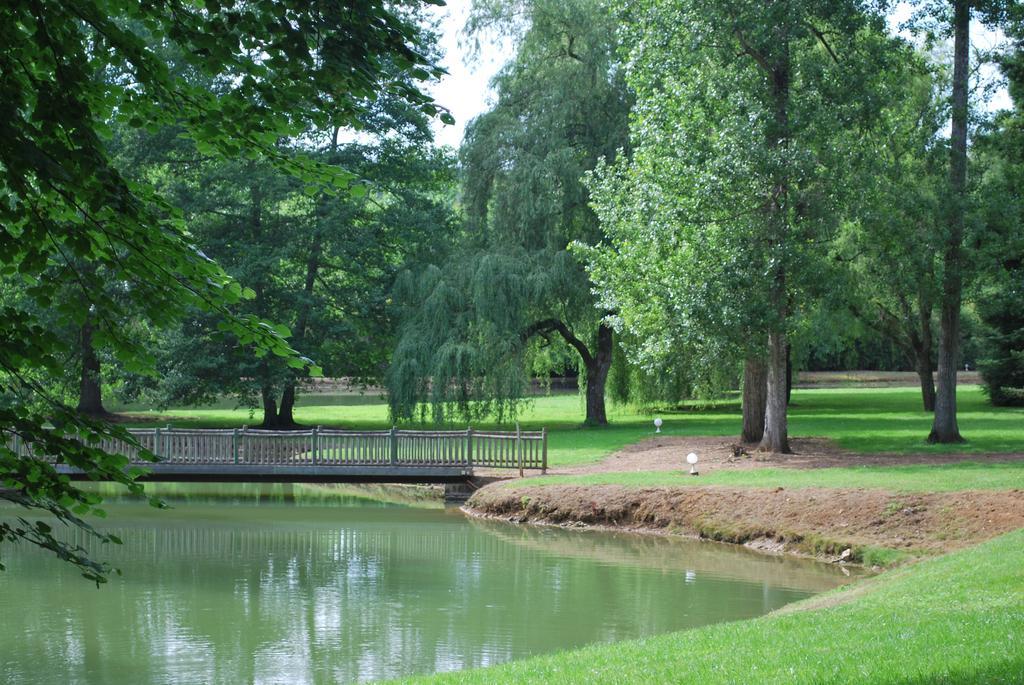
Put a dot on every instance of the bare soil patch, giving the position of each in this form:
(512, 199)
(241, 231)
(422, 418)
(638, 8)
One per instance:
(669, 454)
(824, 522)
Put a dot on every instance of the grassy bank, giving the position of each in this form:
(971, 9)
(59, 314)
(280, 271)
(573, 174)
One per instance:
(917, 478)
(953, 619)
(860, 419)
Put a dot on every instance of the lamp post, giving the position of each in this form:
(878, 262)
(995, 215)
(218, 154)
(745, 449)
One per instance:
(657, 425)
(691, 459)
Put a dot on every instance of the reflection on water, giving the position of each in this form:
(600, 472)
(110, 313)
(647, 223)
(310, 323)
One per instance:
(269, 592)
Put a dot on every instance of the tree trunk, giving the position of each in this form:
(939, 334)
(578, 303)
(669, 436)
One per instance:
(90, 393)
(269, 408)
(285, 415)
(944, 426)
(286, 412)
(278, 417)
(597, 376)
(776, 431)
(755, 399)
(596, 364)
(924, 375)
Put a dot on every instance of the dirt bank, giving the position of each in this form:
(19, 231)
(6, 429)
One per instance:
(823, 522)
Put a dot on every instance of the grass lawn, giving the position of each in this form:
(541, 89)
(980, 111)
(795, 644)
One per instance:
(953, 619)
(916, 478)
(860, 419)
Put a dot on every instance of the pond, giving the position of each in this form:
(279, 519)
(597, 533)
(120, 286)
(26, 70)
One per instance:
(253, 589)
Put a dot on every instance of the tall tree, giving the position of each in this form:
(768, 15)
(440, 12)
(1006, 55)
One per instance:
(513, 301)
(744, 133)
(67, 71)
(944, 426)
(892, 238)
(956, 24)
(999, 292)
(323, 266)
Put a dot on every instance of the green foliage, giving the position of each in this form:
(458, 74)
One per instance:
(669, 380)
(718, 225)
(891, 240)
(71, 74)
(323, 264)
(511, 302)
(1002, 367)
(1000, 288)
(1000, 291)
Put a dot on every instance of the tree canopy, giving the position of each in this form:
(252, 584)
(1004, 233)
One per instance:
(70, 220)
(745, 133)
(320, 263)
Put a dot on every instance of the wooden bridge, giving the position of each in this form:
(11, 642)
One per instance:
(324, 455)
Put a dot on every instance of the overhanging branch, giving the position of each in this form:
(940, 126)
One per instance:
(557, 326)
(821, 39)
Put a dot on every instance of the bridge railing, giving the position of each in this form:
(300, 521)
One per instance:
(329, 447)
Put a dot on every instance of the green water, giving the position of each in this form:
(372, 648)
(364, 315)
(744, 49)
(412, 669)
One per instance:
(266, 591)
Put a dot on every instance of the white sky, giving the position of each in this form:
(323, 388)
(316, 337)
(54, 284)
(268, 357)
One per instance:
(466, 89)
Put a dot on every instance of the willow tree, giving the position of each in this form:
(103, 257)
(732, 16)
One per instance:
(744, 134)
(512, 301)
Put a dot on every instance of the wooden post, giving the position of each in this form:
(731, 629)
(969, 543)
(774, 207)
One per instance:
(316, 442)
(234, 445)
(519, 449)
(17, 445)
(469, 447)
(544, 454)
(394, 446)
(163, 443)
(157, 442)
(241, 443)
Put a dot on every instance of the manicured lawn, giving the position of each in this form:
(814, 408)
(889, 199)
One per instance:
(953, 619)
(860, 419)
(916, 478)
(890, 420)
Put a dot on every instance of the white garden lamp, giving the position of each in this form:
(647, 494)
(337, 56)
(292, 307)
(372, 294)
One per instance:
(691, 459)
(657, 425)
